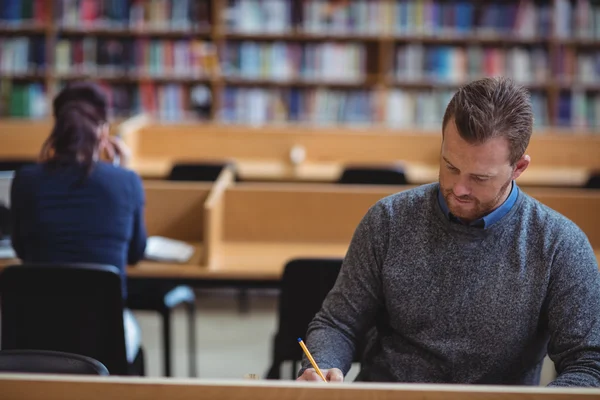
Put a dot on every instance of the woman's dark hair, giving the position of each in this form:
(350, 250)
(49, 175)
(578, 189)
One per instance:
(79, 109)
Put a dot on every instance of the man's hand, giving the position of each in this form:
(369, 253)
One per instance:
(332, 375)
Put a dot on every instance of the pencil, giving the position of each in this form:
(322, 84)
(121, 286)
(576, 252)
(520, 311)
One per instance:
(311, 359)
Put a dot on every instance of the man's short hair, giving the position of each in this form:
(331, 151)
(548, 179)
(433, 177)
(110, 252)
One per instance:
(493, 107)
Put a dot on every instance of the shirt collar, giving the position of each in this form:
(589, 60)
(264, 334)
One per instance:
(489, 219)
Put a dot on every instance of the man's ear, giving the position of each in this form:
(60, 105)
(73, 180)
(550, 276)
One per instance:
(521, 166)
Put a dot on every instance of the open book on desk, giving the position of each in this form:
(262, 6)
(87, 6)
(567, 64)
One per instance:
(6, 249)
(159, 248)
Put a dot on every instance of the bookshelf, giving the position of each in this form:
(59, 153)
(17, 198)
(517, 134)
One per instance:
(391, 63)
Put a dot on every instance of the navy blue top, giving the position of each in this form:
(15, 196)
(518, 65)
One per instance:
(489, 219)
(58, 217)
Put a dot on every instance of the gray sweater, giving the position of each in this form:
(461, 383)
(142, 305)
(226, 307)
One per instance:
(457, 304)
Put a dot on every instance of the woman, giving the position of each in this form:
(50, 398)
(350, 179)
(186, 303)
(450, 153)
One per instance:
(72, 207)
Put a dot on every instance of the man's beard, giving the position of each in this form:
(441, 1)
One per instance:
(477, 208)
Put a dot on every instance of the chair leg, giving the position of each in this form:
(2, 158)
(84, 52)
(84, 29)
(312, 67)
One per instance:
(274, 371)
(243, 301)
(193, 371)
(294, 369)
(166, 314)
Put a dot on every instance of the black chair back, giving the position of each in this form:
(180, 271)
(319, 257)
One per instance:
(593, 182)
(75, 308)
(49, 362)
(5, 223)
(200, 172)
(14, 164)
(373, 176)
(304, 285)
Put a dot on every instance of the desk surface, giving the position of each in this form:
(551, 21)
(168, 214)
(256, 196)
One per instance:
(238, 261)
(330, 172)
(50, 387)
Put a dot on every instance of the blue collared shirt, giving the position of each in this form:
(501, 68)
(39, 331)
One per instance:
(487, 220)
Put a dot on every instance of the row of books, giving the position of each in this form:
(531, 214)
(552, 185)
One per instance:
(525, 18)
(579, 109)
(577, 67)
(284, 61)
(28, 11)
(455, 64)
(135, 14)
(255, 106)
(141, 57)
(580, 19)
(425, 108)
(22, 55)
(22, 100)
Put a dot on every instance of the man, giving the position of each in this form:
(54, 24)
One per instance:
(469, 280)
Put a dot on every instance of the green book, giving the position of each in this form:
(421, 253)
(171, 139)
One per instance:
(27, 10)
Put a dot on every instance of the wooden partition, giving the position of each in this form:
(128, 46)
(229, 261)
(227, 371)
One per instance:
(175, 209)
(266, 225)
(265, 153)
(22, 139)
(46, 387)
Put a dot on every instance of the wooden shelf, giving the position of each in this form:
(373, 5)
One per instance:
(595, 43)
(438, 84)
(129, 78)
(25, 29)
(301, 36)
(111, 32)
(29, 76)
(469, 39)
(379, 54)
(297, 82)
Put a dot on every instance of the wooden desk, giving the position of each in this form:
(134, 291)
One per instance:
(259, 227)
(264, 154)
(48, 387)
(278, 171)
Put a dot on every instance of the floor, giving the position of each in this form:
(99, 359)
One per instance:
(230, 344)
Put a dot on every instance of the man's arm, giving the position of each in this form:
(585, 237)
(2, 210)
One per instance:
(350, 307)
(573, 309)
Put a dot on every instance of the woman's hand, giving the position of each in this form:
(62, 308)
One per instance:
(116, 151)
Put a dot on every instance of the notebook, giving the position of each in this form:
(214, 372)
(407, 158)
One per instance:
(159, 248)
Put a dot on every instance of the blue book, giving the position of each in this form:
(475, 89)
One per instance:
(12, 10)
(464, 17)
(294, 105)
(564, 109)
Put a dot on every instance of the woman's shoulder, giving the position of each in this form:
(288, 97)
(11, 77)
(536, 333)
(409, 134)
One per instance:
(115, 173)
(29, 171)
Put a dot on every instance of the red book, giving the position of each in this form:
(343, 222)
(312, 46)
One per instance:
(41, 11)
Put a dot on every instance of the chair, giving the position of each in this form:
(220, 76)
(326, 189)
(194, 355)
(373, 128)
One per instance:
(393, 175)
(49, 362)
(593, 182)
(199, 172)
(5, 223)
(73, 308)
(14, 164)
(296, 310)
(156, 296)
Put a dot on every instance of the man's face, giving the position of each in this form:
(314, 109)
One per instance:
(475, 179)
